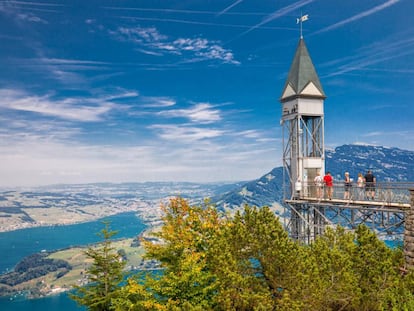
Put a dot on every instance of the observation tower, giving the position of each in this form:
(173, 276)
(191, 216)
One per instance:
(390, 212)
(302, 124)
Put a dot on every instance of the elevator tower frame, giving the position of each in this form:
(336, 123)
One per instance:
(302, 125)
(303, 144)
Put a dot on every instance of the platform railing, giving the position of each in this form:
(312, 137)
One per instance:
(384, 192)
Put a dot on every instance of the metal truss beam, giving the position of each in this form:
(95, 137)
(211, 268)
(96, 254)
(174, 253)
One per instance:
(309, 219)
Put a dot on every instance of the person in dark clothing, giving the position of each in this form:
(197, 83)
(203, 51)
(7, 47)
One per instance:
(370, 181)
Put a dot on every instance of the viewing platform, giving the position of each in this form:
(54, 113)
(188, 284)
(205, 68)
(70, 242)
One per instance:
(387, 212)
(388, 196)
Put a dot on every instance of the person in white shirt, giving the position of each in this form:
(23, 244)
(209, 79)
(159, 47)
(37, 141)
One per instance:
(318, 181)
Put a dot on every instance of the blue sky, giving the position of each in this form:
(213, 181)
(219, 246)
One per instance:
(176, 90)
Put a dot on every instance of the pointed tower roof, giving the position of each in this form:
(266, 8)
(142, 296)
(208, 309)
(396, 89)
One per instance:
(302, 80)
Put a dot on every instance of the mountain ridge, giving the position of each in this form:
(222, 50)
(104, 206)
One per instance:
(388, 164)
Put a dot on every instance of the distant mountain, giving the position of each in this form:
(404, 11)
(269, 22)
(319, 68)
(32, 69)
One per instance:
(387, 164)
(25, 207)
(266, 190)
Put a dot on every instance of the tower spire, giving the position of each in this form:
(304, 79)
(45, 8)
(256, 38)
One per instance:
(302, 81)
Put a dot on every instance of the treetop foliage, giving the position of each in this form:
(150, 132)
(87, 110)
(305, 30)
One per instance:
(248, 262)
(105, 275)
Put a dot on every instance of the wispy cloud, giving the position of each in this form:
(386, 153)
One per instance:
(402, 133)
(157, 102)
(41, 161)
(30, 17)
(66, 71)
(153, 41)
(66, 62)
(249, 134)
(52, 152)
(279, 13)
(75, 109)
(190, 12)
(185, 134)
(24, 11)
(359, 16)
(378, 52)
(374, 134)
(388, 138)
(193, 22)
(203, 113)
(28, 131)
(229, 7)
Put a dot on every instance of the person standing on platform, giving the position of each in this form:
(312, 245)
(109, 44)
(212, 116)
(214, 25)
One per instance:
(348, 185)
(318, 181)
(328, 180)
(370, 182)
(360, 186)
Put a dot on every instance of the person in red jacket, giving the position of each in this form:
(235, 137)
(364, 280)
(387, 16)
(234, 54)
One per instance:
(328, 180)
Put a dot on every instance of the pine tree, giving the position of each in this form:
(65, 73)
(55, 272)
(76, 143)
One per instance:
(104, 275)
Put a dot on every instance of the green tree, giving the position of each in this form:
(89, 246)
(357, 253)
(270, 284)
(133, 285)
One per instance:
(376, 267)
(251, 256)
(186, 281)
(334, 283)
(248, 262)
(104, 275)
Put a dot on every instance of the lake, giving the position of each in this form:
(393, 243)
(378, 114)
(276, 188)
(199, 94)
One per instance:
(20, 243)
(57, 302)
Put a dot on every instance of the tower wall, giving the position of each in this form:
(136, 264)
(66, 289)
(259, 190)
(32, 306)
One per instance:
(409, 234)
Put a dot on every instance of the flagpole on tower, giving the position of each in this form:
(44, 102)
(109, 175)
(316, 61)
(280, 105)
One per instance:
(301, 20)
(301, 34)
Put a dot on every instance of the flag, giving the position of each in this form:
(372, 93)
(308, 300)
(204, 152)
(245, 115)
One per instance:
(302, 19)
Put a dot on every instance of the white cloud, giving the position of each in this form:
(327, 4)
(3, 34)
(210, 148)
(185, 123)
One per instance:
(200, 113)
(151, 105)
(249, 134)
(139, 35)
(33, 152)
(45, 162)
(379, 52)
(191, 44)
(374, 134)
(148, 52)
(66, 71)
(29, 17)
(36, 159)
(279, 13)
(76, 109)
(152, 42)
(229, 7)
(217, 52)
(185, 134)
(19, 130)
(360, 15)
(405, 134)
(23, 11)
(74, 62)
(192, 22)
(157, 102)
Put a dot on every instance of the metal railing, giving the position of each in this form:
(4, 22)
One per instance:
(383, 192)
